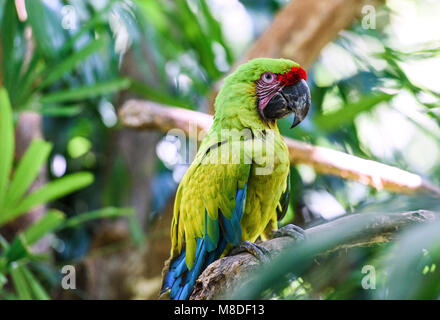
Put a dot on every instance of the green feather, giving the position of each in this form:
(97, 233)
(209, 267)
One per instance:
(209, 186)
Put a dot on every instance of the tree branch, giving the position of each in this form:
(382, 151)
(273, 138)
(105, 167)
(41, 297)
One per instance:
(302, 28)
(140, 114)
(224, 274)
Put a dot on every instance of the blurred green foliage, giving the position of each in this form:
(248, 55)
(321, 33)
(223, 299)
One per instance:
(66, 63)
(15, 201)
(378, 80)
(406, 269)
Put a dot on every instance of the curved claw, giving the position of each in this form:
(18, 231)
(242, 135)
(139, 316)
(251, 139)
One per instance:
(258, 251)
(290, 230)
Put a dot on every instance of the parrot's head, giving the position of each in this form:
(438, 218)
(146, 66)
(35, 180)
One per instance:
(273, 88)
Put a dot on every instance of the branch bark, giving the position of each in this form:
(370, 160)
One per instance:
(224, 274)
(302, 28)
(138, 114)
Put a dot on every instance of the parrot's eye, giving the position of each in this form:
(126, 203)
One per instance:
(268, 77)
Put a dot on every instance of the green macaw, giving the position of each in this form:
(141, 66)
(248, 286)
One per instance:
(237, 187)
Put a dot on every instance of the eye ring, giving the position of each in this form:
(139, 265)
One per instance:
(268, 77)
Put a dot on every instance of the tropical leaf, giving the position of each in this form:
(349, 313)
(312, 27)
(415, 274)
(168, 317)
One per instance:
(20, 246)
(8, 30)
(412, 265)
(46, 28)
(27, 170)
(37, 290)
(97, 20)
(86, 92)
(54, 73)
(348, 112)
(61, 111)
(51, 191)
(157, 96)
(20, 283)
(97, 214)
(48, 223)
(6, 145)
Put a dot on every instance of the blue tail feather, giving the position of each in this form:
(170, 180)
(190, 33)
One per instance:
(177, 268)
(184, 293)
(175, 288)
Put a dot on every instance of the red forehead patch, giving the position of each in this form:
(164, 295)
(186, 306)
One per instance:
(293, 76)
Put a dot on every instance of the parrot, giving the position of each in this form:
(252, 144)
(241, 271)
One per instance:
(226, 201)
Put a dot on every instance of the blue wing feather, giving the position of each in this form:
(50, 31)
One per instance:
(179, 280)
(232, 227)
(213, 237)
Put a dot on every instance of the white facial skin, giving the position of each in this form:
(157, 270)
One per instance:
(267, 86)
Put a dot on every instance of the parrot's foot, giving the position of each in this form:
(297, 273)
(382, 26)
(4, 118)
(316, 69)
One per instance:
(258, 251)
(290, 230)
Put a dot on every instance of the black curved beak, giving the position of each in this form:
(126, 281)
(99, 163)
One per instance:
(291, 99)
